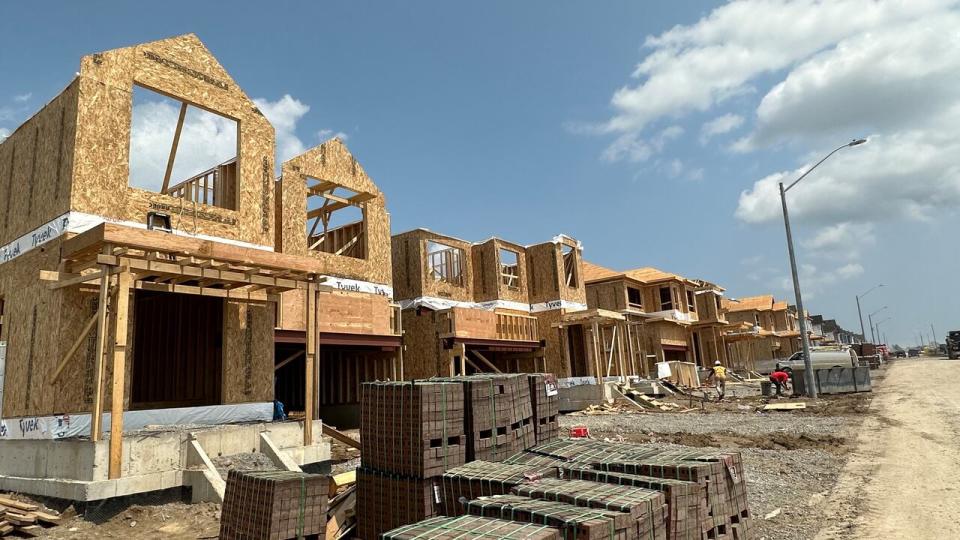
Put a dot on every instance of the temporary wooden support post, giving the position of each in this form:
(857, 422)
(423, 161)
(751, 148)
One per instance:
(173, 148)
(631, 350)
(96, 419)
(486, 362)
(288, 359)
(122, 303)
(73, 348)
(613, 343)
(564, 340)
(597, 353)
(310, 397)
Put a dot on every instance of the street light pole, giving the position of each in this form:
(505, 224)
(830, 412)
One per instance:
(859, 313)
(805, 339)
(873, 338)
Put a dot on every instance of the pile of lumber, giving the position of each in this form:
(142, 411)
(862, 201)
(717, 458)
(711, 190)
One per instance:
(341, 506)
(25, 519)
(274, 504)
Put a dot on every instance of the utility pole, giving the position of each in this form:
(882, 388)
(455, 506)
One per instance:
(934, 332)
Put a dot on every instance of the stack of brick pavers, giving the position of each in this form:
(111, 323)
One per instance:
(499, 415)
(481, 479)
(646, 507)
(274, 505)
(545, 399)
(716, 476)
(470, 528)
(411, 433)
(573, 521)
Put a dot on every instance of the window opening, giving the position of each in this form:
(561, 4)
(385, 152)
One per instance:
(510, 268)
(691, 302)
(181, 150)
(336, 219)
(445, 262)
(634, 298)
(569, 265)
(666, 299)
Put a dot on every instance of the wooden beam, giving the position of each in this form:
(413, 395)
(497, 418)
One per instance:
(120, 317)
(173, 148)
(311, 351)
(73, 348)
(342, 437)
(488, 363)
(476, 368)
(288, 359)
(96, 421)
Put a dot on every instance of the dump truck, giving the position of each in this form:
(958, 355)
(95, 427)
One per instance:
(953, 344)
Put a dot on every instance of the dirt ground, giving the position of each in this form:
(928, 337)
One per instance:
(903, 476)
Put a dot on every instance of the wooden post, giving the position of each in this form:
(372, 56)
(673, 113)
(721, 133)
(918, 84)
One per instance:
(564, 340)
(120, 318)
(173, 148)
(597, 353)
(96, 420)
(631, 351)
(402, 340)
(309, 398)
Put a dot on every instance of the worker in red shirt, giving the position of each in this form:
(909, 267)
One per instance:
(780, 379)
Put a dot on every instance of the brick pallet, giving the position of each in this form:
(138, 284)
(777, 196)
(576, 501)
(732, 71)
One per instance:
(273, 505)
(547, 466)
(499, 415)
(470, 528)
(480, 479)
(386, 501)
(686, 501)
(545, 403)
(646, 507)
(412, 428)
(573, 521)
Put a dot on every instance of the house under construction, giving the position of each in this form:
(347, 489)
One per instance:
(132, 296)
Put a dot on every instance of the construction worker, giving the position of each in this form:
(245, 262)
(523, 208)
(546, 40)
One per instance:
(781, 379)
(719, 375)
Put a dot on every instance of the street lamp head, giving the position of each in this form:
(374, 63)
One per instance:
(857, 142)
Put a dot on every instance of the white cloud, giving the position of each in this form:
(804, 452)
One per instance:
(815, 280)
(23, 97)
(327, 134)
(205, 141)
(720, 125)
(846, 237)
(694, 67)
(4, 133)
(284, 114)
(632, 147)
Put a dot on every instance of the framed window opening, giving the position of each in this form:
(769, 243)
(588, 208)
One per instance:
(569, 265)
(691, 302)
(666, 299)
(634, 298)
(445, 263)
(509, 268)
(182, 150)
(336, 219)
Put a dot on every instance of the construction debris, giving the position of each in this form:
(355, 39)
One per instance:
(784, 406)
(24, 518)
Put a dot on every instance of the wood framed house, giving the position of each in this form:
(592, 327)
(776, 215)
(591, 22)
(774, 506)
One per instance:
(759, 328)
(669, 317)
(489, 306)
(136, 294)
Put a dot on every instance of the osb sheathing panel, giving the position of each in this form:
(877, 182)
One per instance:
(332, 161)
(407, 250)
(182, 68)
(429, 286)
(39, 327)
(672, 333)
(546, 281)
(488, 284)
(423, 354)
(36, 163)
(553, 347)
(354, 313)
(609, 295)
(247, 353)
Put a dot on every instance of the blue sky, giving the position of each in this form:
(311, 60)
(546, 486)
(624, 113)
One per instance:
(525, 120)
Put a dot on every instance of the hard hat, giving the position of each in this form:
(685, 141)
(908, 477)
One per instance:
(716, 362)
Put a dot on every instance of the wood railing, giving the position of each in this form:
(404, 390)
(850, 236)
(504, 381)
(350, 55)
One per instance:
(349, 240)
(482, 324)
(215, 187)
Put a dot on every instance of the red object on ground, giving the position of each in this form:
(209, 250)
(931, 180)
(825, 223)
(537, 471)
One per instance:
(579, 432)
(779, 376)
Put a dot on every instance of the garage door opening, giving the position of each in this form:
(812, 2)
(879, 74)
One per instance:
(178, 350)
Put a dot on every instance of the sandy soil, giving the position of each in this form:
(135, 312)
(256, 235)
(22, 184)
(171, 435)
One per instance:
(903, 477)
